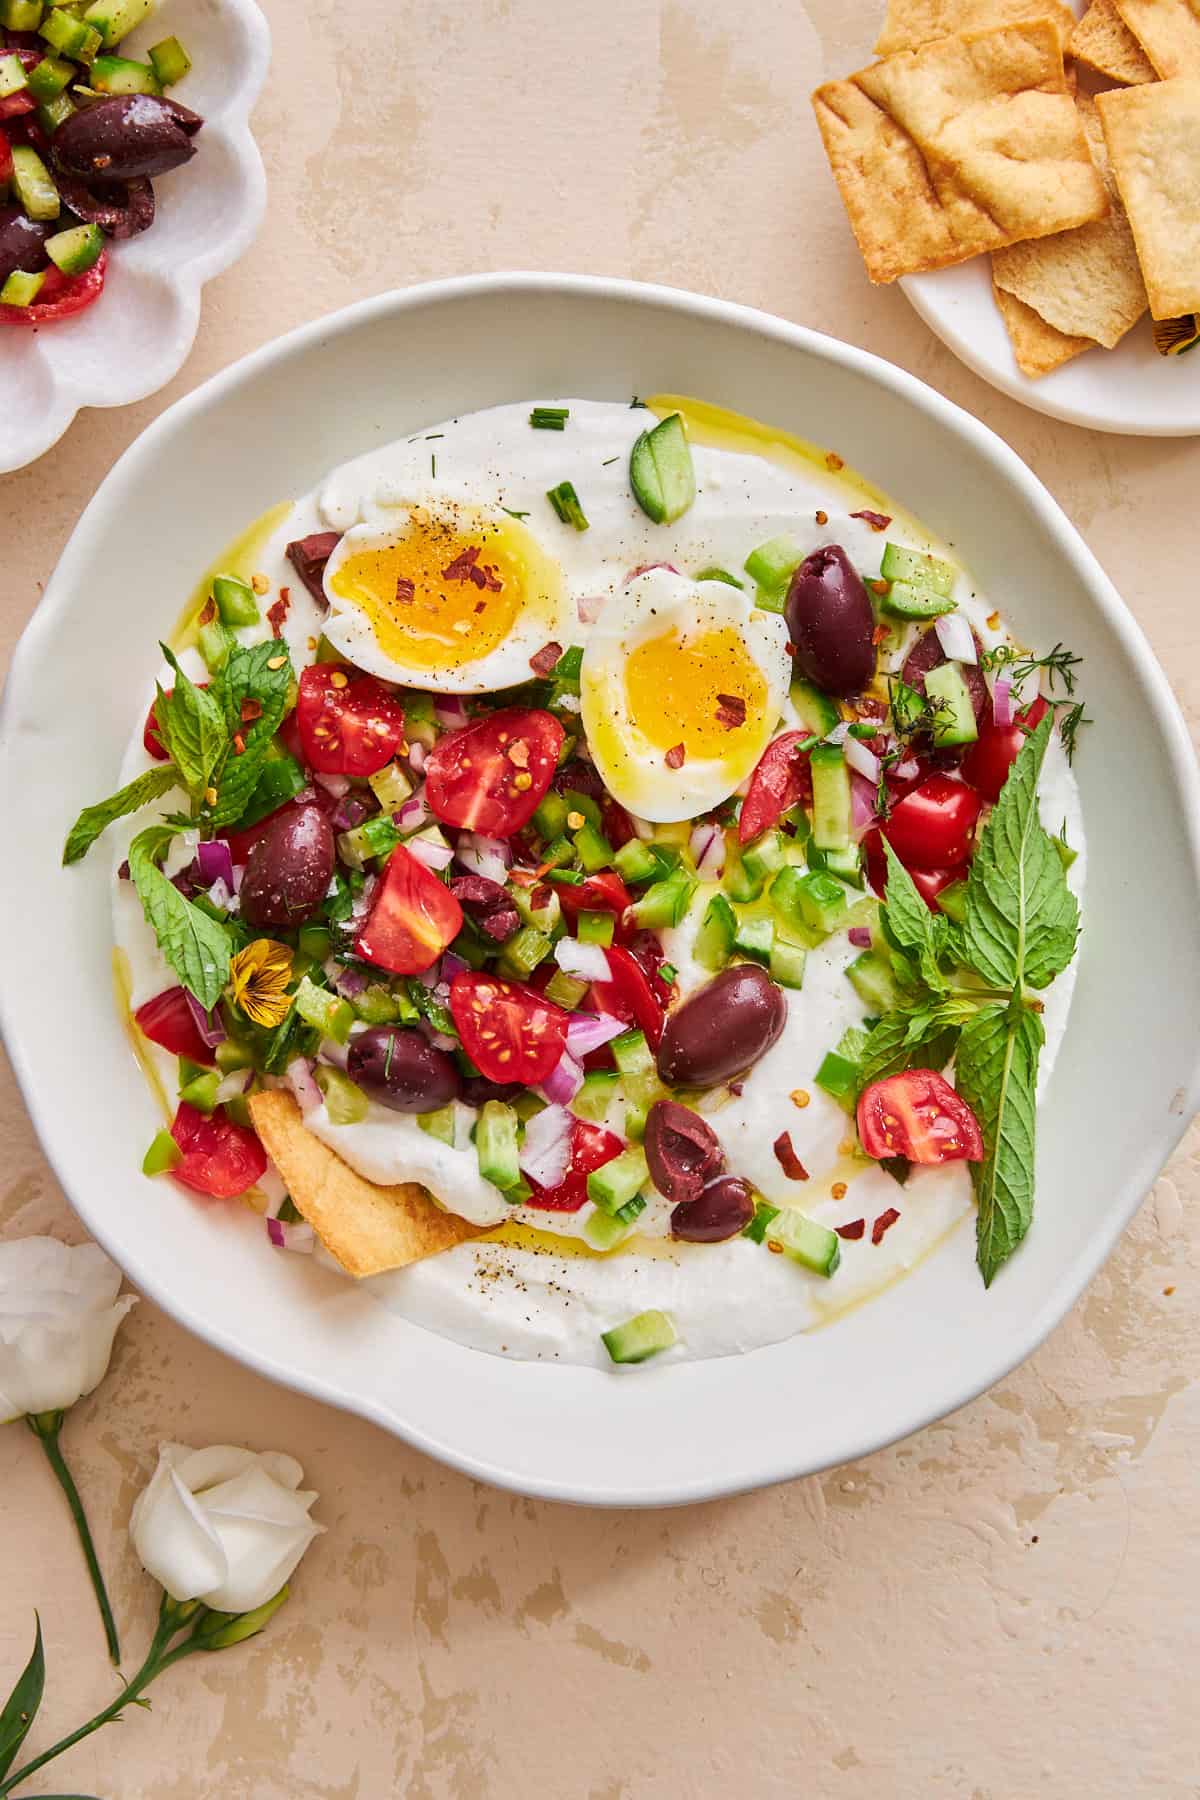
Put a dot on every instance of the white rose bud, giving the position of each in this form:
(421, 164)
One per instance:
(59, 1312)
(223, 1525)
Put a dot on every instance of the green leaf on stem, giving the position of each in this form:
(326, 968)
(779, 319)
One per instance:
(996, 1074)
(910, 926)
(196, 946)
(191, 724)
(129, 799)
(20, 1709)
(252, 690)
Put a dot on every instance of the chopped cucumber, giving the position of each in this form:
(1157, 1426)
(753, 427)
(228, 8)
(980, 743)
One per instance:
(596, 928)
(764, 1212)
(345, 1101)
(596, 1095)
(377, 1005)
(232, 1056)
(763, 856)
(641, 1337)
(21, 15)
(814, 1246)
(666, 902)
(714, 940)
(565, 990)
(845, 864)
(614, 1183)
(164, 1153)
(755, 938)
(547, 917)
(874, 982)
(169, 60)
(115, 19)
(53, 113)
(917, 566)
(661, 472)
(324, 1010)
(22, 289)
(904, 600)
(635, 861)
(75, 37)
(815, 710)
(122, 75)
(814, 900)
(201, 1090)
(786, 963)
(439, 1124)
(75, 251)
(838, 1076)
(831, 797)
(639, 1079)
(592, 848)
(771, 566)
(954, 718)
(740, 883)
(391, 787)
(604, 1231)
(12, 76)
(33, 184)
(50, 77)
(496, 1145)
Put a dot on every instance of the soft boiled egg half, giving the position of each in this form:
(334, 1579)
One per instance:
(446, 596)
(682, 686)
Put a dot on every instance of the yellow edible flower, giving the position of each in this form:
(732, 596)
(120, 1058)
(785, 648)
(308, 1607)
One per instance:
(258, 981)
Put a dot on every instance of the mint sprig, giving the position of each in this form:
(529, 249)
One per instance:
(995, 1071)
(908, 923)
(252, 692)
(196, 946)
(129, 799)
(191, 725)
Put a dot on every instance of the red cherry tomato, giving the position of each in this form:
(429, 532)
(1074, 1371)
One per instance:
(490, 776)
(509, 1032)
(413, 918)
(996, 749)
(605, 892)
(14, 105)
(628, 995)
(349, 724)
(6, 161)
(219, 1158)
(931, 827)
(928, 882)
(615, 822)
(167, 1021)
(918, 1115)
(289, 737)
(150, 738)
(59, 296)
(780, 781)
(591, 1147)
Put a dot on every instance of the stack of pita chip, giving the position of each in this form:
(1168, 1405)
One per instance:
(1067, 149)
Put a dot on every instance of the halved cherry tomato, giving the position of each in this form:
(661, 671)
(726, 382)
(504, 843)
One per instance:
(413, 918)
(780, 781)
(509, 1032)
(150, 738)
(289, 737)
(349, 723)
(928, 882)
(219, 1158)
(931, 828)
(615, 822)
(13, 105)
(6, 161)
(167, 1021)
(490, 776)
(918, 1115)
(59, 296)
(628, 995)
(605, 892)
(997, 747)
(591, 1147)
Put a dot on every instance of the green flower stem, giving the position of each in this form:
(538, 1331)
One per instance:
(46, 1427)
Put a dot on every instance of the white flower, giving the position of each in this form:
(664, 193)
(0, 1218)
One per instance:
(59, 1312)
(223, 1525)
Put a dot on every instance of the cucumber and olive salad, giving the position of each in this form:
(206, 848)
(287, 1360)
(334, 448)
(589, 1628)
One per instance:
(386, 897)
(83, 130)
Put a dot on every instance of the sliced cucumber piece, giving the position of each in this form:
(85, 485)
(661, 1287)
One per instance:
(639, 1080)
(596, 928)
(215, 642)
(345, 1101)
(908, 706)
(763, 856)
(838, 1076)
(831, 797)
(905, 600)
(714, 940)
(12, 76)
(164, 1153)
(661, 472)
(634, 861)
(565, 990)
(324, 1010)
(33, 184)
(169, 60)
(21, 15)
(714, 574)
(525, 950)
(604, 1231)
(771, 566)
(641, 1337)
(596, 1095)
(845, 864)
(439, 1124)
(121, 75)
(115, 19)
(871, 977)
(22, 288)
(48, 78)
(918, 567)
(614, 1184)
(235, 601)
(814, 709)
(755, 938)
(75, 251)
(741, 883)
(814, 1246)
(496, 1145)
(815, 899)
(666, 902)
(954, 718)
(786, 963)
(74, 37)
(53, 113)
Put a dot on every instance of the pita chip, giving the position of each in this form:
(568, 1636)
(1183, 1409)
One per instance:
(1038, 348)
(1153, 137)
(911, 23)
(1105, 43)
(1168, 31)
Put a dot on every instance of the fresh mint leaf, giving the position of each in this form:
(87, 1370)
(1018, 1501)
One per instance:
(196, 946)
(909, 924)
(996, 1074)
(21, 1707)
(920, 1037)
(252, 691)
(191, 725)
(1022, 919)
(129, 799)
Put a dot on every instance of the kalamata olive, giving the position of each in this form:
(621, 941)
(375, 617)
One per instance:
(722, 1027)
(927, 654)
(682, 1149)
(288, 869)
(126, 136)
(308, 556)
(123, 208)
(721, 1210)
(830, 622)
(403, 1070)
(22, 242)
(489, 906)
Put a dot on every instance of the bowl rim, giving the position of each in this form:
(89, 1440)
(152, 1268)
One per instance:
(778, 1462)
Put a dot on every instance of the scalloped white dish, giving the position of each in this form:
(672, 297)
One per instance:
(138, 334)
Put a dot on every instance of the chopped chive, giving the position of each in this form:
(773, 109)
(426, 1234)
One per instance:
(756, 1230)
(668, 971)
(513, 514)
(609, 461)
(713, 573)
(549, 418)
(863, 728)
(433, 462)
(565, 502)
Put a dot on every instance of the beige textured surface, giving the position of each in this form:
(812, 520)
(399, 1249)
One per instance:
(1002, 1608)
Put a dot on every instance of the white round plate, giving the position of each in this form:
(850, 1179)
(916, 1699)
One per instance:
(667, 1433)
(1131, 389)
(138, 334)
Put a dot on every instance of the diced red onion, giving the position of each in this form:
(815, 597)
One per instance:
(642, 829)
(863, 761)
(215, 862)
(232, 1086)
(908, 770)
(349, 982)
(363, 903)
(221, 894)
(239, 875)
(708, 851)
(587, 961)
(1002, 705)
(433, 855)
(450, 712)
(645, 568)
(300, 1080)
(587, 1031)
(414, 813)
(296, 1236)
(589, 607)
(416, 757)
(563, 1083)
(485, 856)
(862, 801)
(337, 785)
(441, 1040)
(860, 937)
(451, 966)
(429, 978)
(351, 810)
(339, 1054)
(207, 1024)
(955, 636)
(546, 1150)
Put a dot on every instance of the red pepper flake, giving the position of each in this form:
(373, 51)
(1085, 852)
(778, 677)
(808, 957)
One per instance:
(833, 460)
(406, 591)
(208, 612)
(467, 567)
(822, 518)
(737, 1089)
(880, 586)
(731, 711)
(251, 710)
(853, 1231)
(278, 613)
(675, 756)
(877, 521)
(880, 634)
(787, 1159)
(239, 744)
(544, 660)
(883, 1223)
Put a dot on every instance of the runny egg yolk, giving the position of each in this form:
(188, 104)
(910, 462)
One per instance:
(705, 692)
(448, 588)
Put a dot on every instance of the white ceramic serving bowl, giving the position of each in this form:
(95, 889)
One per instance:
(138, 334)
(1125, 1084)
